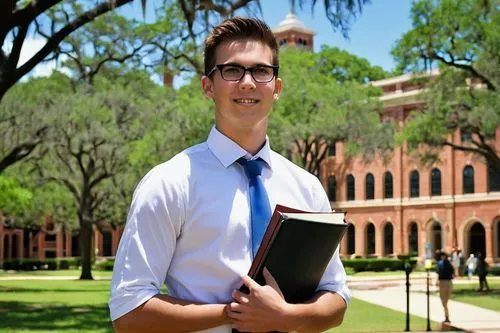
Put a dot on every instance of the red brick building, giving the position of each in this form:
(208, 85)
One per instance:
(401, 207)
(53, 241)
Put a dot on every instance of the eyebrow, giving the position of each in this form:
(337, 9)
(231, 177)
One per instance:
(254, 65)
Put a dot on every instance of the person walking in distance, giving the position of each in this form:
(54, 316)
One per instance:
(445, 273)
(482, 270)
(471, 265)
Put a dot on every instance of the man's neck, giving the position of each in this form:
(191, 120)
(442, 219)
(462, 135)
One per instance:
(252, 139)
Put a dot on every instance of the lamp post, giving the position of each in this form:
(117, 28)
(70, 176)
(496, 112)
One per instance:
(428, 266)
(408, 270)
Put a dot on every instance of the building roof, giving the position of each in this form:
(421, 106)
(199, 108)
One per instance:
(403, 78)
(292, 22)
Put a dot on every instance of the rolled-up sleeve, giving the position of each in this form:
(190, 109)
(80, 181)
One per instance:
(334, 279)
(148, 242)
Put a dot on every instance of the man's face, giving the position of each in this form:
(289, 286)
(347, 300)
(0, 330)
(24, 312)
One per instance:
(245, 104)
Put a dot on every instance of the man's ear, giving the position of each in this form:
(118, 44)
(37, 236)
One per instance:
(277, 89)
(208, 86)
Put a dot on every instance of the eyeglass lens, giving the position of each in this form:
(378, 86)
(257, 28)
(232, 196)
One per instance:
(236, 73)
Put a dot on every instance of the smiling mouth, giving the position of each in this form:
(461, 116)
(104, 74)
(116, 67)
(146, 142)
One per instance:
(246, 101)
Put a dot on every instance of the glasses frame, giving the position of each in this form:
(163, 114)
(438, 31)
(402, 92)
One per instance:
(220, 67)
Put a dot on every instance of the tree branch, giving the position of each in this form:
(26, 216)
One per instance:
(16, 47)
(468, 68)
(209, 5)
(29, 13)
(23, 150)
(57, 38)
(68, 184)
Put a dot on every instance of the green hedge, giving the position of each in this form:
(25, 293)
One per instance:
(47, 264)
(377, 265)
(106, 265)
(494, 270)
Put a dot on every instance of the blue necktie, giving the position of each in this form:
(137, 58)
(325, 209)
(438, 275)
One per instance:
(260, 210)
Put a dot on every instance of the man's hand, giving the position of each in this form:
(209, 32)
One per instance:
(263, 309)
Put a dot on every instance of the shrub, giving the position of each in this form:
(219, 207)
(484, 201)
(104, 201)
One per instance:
(12, 264)
(50, 264)
(494, 270)
(30, 265)
(377, 265)
(64, 264)
(106, 265)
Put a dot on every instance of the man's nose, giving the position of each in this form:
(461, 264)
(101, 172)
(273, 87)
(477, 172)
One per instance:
(247, 81)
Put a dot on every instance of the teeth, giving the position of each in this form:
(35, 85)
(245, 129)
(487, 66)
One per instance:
(246, 100)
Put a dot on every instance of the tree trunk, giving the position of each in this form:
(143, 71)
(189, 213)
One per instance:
(4, 86)
(86, 246)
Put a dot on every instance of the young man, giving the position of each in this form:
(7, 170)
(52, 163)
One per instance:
(189, 225)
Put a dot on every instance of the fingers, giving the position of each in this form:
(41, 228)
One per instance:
(250, 283)
(240, 297)
(234, 307)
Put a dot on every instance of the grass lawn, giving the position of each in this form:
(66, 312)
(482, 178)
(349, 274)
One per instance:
(81, 306)
(63, 272)
(54, 306)
(362, 316)
(468, 293)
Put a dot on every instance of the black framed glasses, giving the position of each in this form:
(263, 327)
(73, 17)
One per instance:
(234, 72)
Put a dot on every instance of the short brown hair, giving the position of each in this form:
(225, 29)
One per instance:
(239, 28)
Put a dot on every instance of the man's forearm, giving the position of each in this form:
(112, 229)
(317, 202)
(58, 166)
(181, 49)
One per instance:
(324, 311)
(163, 313)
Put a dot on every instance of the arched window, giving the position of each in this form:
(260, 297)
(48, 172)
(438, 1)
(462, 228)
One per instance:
(370, 239)
(414, 184)
(435, 182)
(350, 187)
(332, 188)
(388, 186)
(468, 179)
(388, 238)
(493, 179)
(413, 238)
(369, 187)
(351, 239)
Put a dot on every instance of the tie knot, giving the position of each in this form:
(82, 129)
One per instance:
(252, 167)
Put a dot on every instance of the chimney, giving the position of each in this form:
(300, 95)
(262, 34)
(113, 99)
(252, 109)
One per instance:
(168, 78)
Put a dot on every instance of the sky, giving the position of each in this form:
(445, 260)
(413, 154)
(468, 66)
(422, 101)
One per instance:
(371, 36)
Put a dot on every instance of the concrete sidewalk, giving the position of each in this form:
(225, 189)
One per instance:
(391, 293)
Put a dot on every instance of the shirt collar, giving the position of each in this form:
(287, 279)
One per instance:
(227, 151)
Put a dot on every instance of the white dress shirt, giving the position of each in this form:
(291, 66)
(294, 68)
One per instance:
(189, 226)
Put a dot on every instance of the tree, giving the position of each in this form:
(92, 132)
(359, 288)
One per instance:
(55, 20)
(23, 125)
(89, 144)
(463, 38)
(322, 102)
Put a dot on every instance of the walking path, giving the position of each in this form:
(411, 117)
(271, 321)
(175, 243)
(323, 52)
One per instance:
(390, 292)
